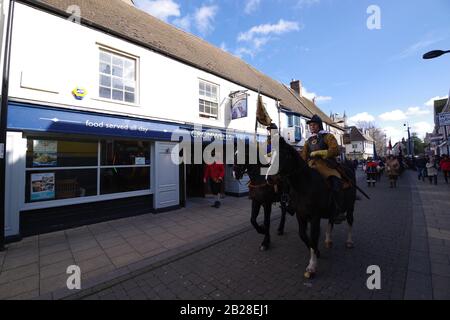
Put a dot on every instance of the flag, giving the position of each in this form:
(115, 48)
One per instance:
(261, 113)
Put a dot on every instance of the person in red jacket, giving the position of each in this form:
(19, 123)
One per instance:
(445, 166)
(215, 173)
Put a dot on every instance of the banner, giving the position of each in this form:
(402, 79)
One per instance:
(261, 113)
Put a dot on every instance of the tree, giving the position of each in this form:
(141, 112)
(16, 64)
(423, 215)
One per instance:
(377, 135)
(419, 145)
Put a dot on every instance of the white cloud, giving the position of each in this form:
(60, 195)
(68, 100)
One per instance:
(267, 29)
(395, 115)
(184, 23)
(312, 95)
(260, 35)
(224, 47)
(363, 117)
(417, 111)
(161, 9)
(243, 51)
(421, 128)
(204, 18)
(251, 6)
(306, 3)
(394, 133)
(430, 103)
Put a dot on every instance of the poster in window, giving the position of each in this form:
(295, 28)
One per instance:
(239, 107)
(42, 186)
(140, 161)
(45, 153)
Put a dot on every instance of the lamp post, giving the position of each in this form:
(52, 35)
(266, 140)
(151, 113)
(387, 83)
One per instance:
(410, 151)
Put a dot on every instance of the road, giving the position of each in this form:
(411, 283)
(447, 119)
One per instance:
(236, 269)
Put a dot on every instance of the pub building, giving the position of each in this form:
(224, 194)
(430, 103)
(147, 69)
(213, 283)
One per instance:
(93, 104)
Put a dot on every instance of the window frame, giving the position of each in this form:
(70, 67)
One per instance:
(298, 126)
(204, 115)
(87, 199)
(123, 55)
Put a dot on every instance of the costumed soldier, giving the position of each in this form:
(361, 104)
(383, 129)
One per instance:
(320, 151)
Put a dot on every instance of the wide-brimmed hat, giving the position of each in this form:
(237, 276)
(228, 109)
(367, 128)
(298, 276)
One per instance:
(316, 119)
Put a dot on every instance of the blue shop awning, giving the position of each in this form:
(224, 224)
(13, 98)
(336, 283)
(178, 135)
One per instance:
(26, 117)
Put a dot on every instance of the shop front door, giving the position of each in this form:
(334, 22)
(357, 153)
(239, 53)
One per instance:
(167, 188)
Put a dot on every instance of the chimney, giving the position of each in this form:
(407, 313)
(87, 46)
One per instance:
(297, 87)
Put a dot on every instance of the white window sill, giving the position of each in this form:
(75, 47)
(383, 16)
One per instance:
(80, 200)
(135, 105)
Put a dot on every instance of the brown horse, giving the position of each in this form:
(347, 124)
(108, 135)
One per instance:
(312, 199)
(263, 193)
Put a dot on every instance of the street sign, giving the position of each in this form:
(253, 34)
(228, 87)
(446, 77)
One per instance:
(444, 119)
(437, 137)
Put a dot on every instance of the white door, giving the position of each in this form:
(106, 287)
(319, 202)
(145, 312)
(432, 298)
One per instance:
(167, 178)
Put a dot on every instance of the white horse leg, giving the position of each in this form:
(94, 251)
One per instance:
(349, 243)
(312, 266)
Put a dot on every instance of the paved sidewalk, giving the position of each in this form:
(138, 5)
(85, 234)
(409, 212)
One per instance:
(430, 252)
(37, 265)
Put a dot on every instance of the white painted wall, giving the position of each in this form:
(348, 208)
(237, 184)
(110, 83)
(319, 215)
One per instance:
(61, 55)
(15, 177)
(4, 7)
(349, 148)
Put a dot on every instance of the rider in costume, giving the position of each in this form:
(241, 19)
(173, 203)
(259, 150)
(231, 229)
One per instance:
(320, 151)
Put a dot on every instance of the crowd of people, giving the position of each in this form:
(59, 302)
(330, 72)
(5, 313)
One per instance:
(427, 167)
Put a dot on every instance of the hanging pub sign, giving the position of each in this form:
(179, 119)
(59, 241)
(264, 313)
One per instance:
(239, 106)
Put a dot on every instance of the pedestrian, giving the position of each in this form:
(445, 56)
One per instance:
(445, 166)
(355, 164)
(393, 170)
(432, 171)
(371, 172)
(215, 172)
(421, 166)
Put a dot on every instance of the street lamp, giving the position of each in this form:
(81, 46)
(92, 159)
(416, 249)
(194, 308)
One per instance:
(434, 54)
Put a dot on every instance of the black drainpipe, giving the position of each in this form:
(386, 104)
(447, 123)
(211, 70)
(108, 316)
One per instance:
(3, 120)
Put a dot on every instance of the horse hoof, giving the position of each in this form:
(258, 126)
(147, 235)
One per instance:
(328, 244)
(280, 233)
(263, 248)
(309, 274)
(349, 245)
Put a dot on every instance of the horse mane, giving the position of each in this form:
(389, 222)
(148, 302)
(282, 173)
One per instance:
(294, 153)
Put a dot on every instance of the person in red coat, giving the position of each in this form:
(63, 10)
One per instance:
(445, 166)
(215, 173)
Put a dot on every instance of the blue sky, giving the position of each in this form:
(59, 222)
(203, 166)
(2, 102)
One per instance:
(372, 74)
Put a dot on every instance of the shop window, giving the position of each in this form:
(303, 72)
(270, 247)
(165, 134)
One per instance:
(46, 153)
(208, 100)
(125, 166)
(58, 169)
(124, 153)
(46, 185)
(117, 77)
(116, 180)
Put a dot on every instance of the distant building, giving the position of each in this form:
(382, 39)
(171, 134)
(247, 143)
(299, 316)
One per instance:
(358, 145)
